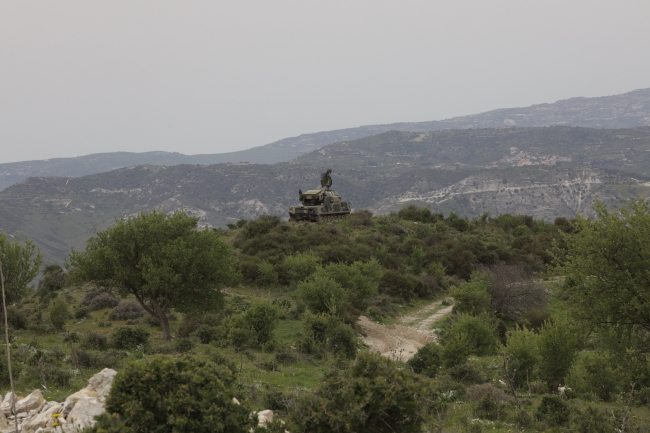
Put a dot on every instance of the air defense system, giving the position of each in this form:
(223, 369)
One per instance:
(320, 204)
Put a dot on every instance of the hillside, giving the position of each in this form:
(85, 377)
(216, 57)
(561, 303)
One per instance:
(628, 110)
(60, 213)
(621, 149)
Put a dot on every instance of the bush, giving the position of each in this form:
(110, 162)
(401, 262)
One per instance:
(592, 420)
(127, 310)
(524, 420)
(323, 295)
(166, 394)
(262, 317)
(328, 333)
(372, 395)
(129, 338)
(514, 292)
(183, 345)
(477, 332)
(557, 348)
(98, 299)
(487, 408)
(81, 313)
(360, 279)
(427, 360)
(472, 297)
(478, 392)
(94, 340)
(192, 322)
(301, 265)
(267, 275)
(16, 318)
(522, 345)
(206, 334)
(401, 285)
(592, 374)
(553, 411)
(58, 313)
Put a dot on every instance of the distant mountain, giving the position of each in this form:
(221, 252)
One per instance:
(621, 111)
(621, 149)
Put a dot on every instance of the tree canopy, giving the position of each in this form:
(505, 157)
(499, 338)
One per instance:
(607, 268)
(20, 265)
(165, 261)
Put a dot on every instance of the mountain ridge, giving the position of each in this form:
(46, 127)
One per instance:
(618, 111)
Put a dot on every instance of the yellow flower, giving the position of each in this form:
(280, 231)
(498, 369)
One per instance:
(56, 424)
(56, 415)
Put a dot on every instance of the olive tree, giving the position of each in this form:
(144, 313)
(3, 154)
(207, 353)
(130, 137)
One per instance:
(165, 261)
(20, 265)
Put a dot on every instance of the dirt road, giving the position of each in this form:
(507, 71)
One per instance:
(402, 340)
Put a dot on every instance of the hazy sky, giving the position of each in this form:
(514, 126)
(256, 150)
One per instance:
(80, 77)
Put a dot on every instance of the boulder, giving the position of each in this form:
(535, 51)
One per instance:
(31, 402)
(264, 417)
(84, 412)
(98, 387)
(42, 419)
(3, 421)
(5, 406)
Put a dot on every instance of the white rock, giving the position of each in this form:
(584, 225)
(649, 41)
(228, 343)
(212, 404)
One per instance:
(264, 417)
(43, 418)
(235, 401)
(5, 406)
(31, 402)
(84, 411)
(98, 386)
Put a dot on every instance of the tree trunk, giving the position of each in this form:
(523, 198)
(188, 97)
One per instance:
(162, 318)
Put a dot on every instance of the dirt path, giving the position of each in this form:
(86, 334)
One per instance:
(402, 340)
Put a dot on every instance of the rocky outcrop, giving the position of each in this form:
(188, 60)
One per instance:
(77, 412)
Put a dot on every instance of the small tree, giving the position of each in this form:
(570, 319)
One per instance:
(557, 349)
(58, 313)
(165, 394)
(427, 360)
(163, 260)
(20, 265)
(523, 347)
(513, 291)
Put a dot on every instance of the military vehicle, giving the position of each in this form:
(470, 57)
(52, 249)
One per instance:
(320, 204)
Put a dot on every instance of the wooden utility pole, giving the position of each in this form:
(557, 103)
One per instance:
(11, 377)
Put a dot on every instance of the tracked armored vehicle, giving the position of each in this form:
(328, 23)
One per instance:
(320, 204)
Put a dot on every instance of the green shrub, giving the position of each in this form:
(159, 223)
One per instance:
(129, 338)
(183, 345)
(192, 322)
(557, 348)
(323, 295)
(16, 318)
(593, 374)
(94, 340)
(98, 299)
(472, 297)
(360, 280)
(486, 408)
(268, 276)
(372, 395)
(427, 360)
(523, 347)
(206, 334)
(81, 313)
(478, 333)
(165, 394)
(262, 317)
(301, 265)
(592, 420)
(553, 410)
(523, 419)
(330, 334)
(58, 313)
